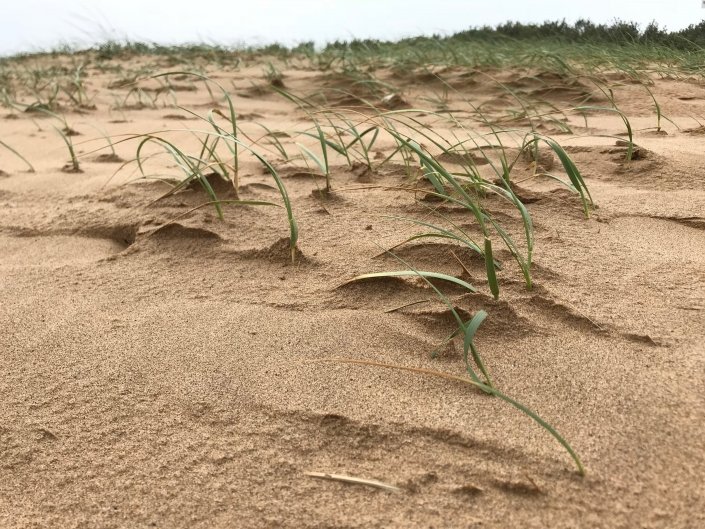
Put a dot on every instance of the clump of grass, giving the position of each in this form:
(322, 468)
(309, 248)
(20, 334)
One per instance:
(657, 107)
(66, 132)
(625, 120)
(469, 188)
(76, 91)
(614, 108)
(365, 147)
(72, 166)
(577, 183)
(136, 99)
(231, 117)
(324, 143)
(274, 76)
(194, 167)
(456, 193)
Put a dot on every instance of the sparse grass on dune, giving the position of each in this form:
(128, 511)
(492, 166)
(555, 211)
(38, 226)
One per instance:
(470, 166)
(464, 190)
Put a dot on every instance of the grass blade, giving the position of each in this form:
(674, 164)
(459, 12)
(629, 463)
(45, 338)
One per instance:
(491, 272)
(484, 387)
(31, 168)
(409, 273)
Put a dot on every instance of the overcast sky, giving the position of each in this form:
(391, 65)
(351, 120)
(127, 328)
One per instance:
(32, 25)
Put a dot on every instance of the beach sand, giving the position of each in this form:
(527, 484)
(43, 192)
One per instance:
(179, 372)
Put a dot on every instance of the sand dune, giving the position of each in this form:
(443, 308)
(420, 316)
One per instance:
(170, 370)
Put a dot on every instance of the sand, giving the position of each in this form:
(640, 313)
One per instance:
(159, 375)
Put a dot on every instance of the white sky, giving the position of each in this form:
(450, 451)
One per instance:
(32, 25)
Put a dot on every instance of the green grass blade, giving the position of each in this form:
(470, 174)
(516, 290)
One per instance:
(573, 174)
(491, 272)
(442, 232)
(484, 387)
(470, 329)
(315, 158)
(191, 170)
(31, 168)
(410, 273)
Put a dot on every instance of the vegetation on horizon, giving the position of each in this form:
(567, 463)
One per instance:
(582, 39)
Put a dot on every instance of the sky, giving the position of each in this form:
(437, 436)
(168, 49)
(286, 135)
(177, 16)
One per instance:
(35, 25)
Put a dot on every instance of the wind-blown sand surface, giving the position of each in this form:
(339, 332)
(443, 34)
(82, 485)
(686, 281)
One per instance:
(156, 375)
